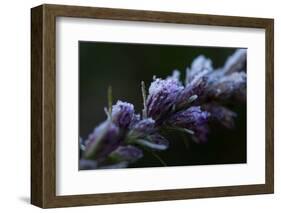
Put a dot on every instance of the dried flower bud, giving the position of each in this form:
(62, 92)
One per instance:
(127, 153)
(236, 62)
(199, 65)
(201, 134)
(144, 126)
(221, 115)
(136, 118)
(193, 119)
(123, 114)
(191, 92)
(102, 141)
(230, 86)
(175, 75)
(162, 97)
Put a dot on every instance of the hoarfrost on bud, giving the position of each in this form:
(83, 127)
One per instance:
(193, 119)
(144, 126)
(123, 114)
(229, 86)
(199, 65)
(190, 118)
(103, 140)
(235, 62)
(127, 153)
(162, 96)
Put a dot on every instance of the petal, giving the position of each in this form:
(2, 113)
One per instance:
(229, 87)
(102, 141)
(236, 62)
(199, 65)
(162, 97)
(123, 114)
(144, 126)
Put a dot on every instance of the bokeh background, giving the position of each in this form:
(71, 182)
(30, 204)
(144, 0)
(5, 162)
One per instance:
(124, 66)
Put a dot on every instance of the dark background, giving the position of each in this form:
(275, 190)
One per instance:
(124, 66)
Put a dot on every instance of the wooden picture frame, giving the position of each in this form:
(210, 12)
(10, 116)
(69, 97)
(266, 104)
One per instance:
(43, 105)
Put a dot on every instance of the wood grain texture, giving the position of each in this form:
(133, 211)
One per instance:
(43, 105)
(269, 119)
(36, 106)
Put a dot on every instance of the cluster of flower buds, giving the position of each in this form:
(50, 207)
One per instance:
(170, 104)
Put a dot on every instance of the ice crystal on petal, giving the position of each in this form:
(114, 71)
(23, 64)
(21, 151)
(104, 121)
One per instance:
(144, 126)
(199, 65)
(175, 75)
(229, 86)
(123, 114)
(162, 97)
(190, 118)
(236, 62)
(193, 119)
(195, 88)
(136, 118)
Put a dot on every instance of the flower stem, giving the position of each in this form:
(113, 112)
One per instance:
(109, 99)
(144, 111)
(155, 156)
(159, 158)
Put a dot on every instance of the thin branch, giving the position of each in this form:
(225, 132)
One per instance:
(144, 111)
(109, 99)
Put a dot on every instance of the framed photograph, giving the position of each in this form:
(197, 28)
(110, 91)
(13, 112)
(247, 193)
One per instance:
(136, 106)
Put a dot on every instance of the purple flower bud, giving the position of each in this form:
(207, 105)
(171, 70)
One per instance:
(192, 91)
(144, 126)
(102, 141)
(162, 97)
(175, 75)
(228, 87)
(87, 164)
(201, 134)
(221, 115)
(122, 114)
(155, 142)
(136, 118)
(236, 62)
(193, 119)
(189, 118)
(200, 65)
(127, 153)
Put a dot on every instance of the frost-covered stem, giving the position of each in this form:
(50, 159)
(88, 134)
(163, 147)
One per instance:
(109, 99)
(144, 111)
